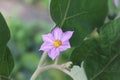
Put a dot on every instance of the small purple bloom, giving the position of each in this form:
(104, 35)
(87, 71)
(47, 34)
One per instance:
(116, 3)
(56, 42)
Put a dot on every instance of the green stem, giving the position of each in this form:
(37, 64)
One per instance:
(36, 73)
(56, 60)
(43, 58)
(41, 69)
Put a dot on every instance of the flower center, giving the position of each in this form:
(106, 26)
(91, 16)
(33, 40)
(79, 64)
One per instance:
(57, 43)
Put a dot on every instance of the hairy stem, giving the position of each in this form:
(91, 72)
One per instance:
(41, 68)
(56, 60)
(36, 73)
(63, 68)
(43, 58)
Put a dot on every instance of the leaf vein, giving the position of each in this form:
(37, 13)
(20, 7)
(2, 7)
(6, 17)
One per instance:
(60, 10)
(67, 9)
(105, 66)
(78, 14)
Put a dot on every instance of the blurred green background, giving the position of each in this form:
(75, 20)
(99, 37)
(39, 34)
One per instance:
(27, 21)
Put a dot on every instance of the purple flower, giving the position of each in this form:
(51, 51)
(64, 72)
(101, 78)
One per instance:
(56, 42)
(116, 3)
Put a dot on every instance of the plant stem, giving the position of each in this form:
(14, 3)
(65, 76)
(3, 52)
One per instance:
(56, 60)
(36, 73)
(41, 68)
(53, 66)
(43, 58)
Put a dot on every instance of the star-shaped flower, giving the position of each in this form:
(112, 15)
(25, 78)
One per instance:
(56, 42)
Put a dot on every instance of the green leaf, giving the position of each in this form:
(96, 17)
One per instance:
(6, 59)
(4, 31)
(80, 16)
(110, 36)
(101, 60)
(81, 53)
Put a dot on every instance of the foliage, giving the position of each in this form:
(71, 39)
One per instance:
(80, 16)
(96, 40)
(100, 54)
(6, 59)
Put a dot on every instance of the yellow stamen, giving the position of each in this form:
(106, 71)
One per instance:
(57, 43)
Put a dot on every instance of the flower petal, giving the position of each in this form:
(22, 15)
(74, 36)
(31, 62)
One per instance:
(116, 3)
(67, 35)
(53, 53)
(57, 33)
(65, 46)
(46, 46)
(48, 38)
